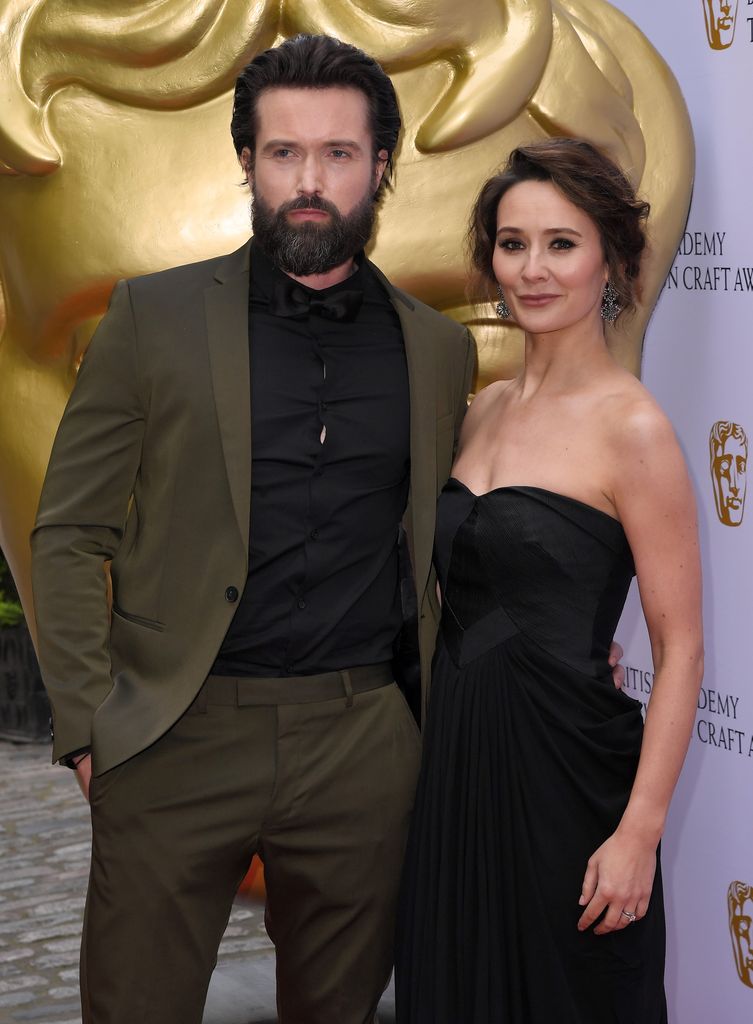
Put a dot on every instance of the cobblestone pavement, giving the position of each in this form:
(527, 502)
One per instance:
(44, 864)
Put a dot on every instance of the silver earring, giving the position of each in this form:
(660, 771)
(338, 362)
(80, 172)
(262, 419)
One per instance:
(610, 304)
(503, 310)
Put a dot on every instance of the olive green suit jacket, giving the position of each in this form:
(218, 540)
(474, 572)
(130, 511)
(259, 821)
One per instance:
(151, 470)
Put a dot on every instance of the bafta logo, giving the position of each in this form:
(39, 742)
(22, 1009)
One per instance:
(728, 448)
(740, 905)
(720, 16)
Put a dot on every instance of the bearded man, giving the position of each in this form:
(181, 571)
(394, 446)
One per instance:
(244, 440)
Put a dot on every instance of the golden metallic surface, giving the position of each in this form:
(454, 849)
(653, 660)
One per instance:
(116, 160)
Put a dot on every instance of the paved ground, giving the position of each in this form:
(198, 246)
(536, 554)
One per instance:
(44, 860)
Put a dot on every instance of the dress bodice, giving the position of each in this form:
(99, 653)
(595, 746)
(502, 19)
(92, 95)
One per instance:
(527, 560)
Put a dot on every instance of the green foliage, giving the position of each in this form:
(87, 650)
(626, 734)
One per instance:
(11, 612)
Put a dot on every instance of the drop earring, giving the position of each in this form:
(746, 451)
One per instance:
(502, 309)
(610, 304)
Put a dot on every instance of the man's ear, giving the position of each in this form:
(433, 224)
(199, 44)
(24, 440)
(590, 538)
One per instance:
(247, 164)
(380, 166)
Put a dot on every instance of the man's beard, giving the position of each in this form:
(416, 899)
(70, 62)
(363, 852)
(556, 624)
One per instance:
(310, 248)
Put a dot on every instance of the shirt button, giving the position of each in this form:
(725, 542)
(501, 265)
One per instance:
(231, 595)
(301, 604)
(314, 534)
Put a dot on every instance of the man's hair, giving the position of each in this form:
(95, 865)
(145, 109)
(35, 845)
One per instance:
(317, 62)
(590, 181)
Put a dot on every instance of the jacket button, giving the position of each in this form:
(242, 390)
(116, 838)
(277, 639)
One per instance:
(231, 594)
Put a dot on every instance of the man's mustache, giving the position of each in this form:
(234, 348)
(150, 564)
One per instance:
(308, 203)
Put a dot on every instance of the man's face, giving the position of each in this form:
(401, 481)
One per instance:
(720, 22)
(313, 176)
(729, 471)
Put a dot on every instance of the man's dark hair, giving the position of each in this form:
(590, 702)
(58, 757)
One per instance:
(317, 62)
(593, 183)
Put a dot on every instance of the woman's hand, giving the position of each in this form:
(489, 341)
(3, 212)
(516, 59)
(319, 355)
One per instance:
(619, 877)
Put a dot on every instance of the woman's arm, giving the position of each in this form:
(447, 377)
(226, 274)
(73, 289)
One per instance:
(654, 500)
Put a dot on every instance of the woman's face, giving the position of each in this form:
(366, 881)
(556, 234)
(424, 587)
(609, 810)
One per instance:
(548, 259)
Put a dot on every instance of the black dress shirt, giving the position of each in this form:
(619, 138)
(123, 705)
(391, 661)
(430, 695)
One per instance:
(330, 471)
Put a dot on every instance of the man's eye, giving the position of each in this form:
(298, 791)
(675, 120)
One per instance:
(340, 154)
(283, 153)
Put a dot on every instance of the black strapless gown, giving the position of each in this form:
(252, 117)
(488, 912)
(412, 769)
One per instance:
(529, 757)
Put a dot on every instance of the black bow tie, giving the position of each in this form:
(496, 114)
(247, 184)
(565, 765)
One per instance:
(290, 299)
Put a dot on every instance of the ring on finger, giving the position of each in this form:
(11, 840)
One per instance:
(629, 915)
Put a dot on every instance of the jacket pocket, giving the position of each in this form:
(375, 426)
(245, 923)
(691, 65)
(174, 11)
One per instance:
(138, 620)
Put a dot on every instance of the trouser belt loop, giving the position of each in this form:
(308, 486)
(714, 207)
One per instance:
(348, 687)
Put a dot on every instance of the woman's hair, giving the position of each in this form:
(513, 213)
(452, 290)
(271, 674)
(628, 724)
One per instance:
(590, 181)
(317, 62)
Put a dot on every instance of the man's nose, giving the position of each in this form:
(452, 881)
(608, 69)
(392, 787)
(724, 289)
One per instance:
(310, 178)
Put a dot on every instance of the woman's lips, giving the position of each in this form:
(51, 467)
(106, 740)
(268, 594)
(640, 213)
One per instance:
(536, 300)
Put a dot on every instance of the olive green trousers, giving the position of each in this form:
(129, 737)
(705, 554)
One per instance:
(321, 790)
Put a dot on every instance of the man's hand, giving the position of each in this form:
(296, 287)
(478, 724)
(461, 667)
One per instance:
(618, 672)
(84, 773)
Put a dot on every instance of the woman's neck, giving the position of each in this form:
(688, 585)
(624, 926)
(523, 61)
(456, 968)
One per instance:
(565, 360)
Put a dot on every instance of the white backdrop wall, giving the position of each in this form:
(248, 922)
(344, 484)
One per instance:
(698, 362)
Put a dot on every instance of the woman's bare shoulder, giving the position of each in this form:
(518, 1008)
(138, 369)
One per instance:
(485, 403)
(634, 416)
(490, 395)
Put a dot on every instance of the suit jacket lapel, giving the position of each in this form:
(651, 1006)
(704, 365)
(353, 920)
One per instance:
(422, 498)
(226, 308)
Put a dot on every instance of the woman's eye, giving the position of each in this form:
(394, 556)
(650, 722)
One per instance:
(563, 243)
(510, 244)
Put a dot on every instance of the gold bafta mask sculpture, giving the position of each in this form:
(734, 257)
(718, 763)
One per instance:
(728, 450)
(720, 16)
(740, 905)
(116, 160)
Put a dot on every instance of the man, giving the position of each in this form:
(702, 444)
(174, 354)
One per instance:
(244, 439)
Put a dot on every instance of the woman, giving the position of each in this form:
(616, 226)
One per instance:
(532, 891)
